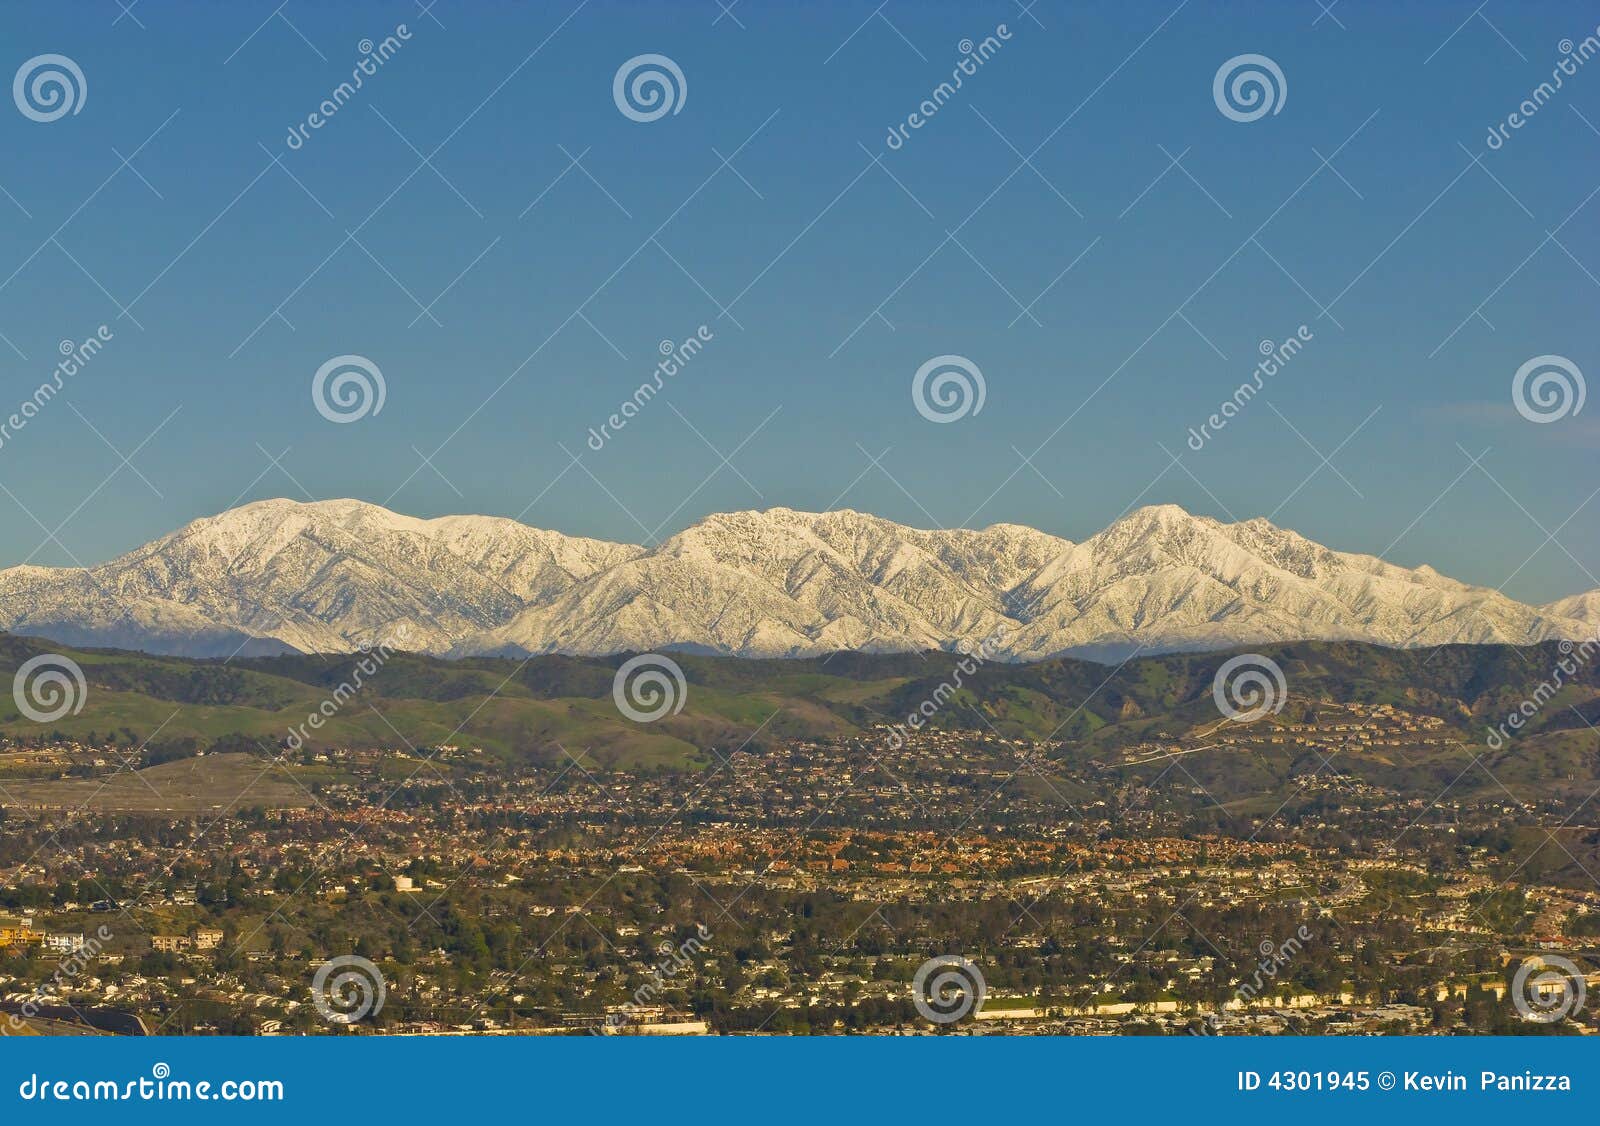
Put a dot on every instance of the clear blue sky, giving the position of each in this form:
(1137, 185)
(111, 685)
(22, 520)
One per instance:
(787, 254)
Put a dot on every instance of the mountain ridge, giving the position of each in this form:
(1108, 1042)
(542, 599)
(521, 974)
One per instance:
(279, 576)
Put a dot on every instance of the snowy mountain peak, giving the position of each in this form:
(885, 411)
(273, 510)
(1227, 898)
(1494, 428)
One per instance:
(280, 574)
(1583, 607)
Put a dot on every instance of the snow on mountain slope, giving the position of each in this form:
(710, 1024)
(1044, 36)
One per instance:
(1168, 580)
(315, 577)
(1581, 607)
(783, 583)
(332, 575)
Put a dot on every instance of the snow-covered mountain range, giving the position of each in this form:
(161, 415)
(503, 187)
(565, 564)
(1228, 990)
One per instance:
(279, 575)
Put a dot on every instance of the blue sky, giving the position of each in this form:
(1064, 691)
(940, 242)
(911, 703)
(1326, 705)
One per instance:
(824, 279)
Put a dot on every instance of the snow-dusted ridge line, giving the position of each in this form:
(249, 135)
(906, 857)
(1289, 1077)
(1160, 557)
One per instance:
(280, 575)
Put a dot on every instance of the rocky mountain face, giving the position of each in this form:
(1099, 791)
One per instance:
(331, 576)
